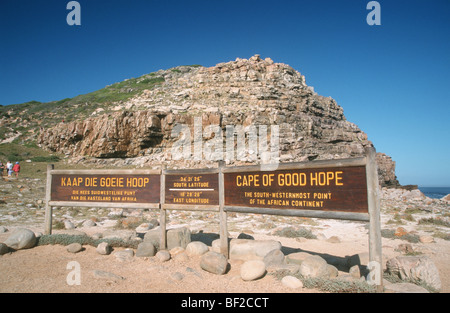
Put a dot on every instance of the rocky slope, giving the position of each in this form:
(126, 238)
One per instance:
(241, 93)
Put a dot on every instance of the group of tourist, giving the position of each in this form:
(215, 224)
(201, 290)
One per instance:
(10, 168)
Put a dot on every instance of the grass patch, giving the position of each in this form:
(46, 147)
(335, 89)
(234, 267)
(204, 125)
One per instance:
(390, 234)
(335, 285)
(434, 221)
(65, 240)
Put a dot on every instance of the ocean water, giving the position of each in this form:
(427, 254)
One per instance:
(435, 192)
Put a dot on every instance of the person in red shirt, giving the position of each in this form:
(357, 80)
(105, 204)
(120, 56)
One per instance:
(16, 169)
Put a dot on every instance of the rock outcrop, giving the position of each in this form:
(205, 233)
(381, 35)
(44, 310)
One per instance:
(217, 104)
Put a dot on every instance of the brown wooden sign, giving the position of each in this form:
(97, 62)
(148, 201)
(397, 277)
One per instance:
(327, 189)
(105, 188)
(192, 189)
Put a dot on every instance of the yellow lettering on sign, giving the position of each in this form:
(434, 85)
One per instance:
(111, 182)
(292, 179)
(326, 178)
(247, 180)
(137, 182)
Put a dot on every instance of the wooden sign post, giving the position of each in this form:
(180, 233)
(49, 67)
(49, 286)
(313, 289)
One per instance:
(191, 190)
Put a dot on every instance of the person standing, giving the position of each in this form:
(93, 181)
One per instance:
(9, 167)
(16, 169)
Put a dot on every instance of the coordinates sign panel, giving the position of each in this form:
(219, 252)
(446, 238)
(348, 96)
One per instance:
(329, 189)
(108, 188)
(192, 189)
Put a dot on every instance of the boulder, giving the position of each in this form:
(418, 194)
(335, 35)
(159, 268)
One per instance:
(314, 266)
(297, 257)
(21, 238)
(274, 258)
(176, 237)
(246, 249)
(196, 248)
(214, 262)
(415, 269)
(145, 249)
(252, 270)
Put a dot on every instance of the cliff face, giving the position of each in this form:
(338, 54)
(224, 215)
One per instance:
(225, 102)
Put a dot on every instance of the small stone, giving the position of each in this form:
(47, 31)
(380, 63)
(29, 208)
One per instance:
(426, 239)
(214, 262)
(89, 223)
(400, 232)
(107, 275)
(252, 270)
(354, 271)
(291, 282)
(405, 248)
(124, 255)
(3, 248)
(144, 227)
(177, 276)
(163, 255)
(196, 248)
(334, 239)
(332, 271)
(97, 236)
(145, 249)
(74, 247)
(104, 248)
(69, 225)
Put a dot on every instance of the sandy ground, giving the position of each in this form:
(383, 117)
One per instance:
(45, 268)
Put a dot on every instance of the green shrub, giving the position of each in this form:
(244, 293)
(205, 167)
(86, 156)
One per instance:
(434, 221)
(335, 285)
(65, 239)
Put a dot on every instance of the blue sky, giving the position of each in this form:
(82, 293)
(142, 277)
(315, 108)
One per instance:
(393, 80)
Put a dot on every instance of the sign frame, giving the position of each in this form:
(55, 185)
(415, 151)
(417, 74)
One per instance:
(188, 207)
(49, 203)
(321, 164)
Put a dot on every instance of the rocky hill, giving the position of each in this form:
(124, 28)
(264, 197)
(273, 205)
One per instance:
(140, 121)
